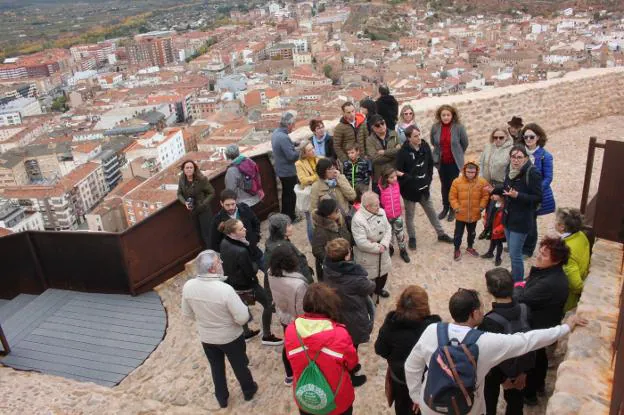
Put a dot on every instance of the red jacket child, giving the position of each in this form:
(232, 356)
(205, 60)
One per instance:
(337, 355)
(498, 230)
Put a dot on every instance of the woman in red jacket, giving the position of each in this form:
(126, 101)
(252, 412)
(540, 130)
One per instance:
(325, 339)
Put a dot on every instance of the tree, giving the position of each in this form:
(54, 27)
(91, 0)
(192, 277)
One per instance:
(60, 104)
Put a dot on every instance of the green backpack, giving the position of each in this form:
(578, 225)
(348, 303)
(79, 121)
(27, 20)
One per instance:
(312, 391)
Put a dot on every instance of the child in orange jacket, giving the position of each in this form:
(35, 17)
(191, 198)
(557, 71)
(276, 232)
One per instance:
(468, 197)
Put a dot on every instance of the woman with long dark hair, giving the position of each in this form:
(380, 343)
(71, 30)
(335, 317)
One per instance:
(195, 192)
(397, 337)
(449, 141)
(535, 139)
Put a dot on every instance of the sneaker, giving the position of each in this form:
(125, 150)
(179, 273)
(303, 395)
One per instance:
(451, 216)
(443, 213)
(251, 334)
(472, 252)
(404, 256)
(249, 395)
(391, 250)
(358, 380)
(288, 380)
(457, 255)
(445, 238)
(412, 244)
(483, 235)
(271, 340)
(497, 262)
(488, 255)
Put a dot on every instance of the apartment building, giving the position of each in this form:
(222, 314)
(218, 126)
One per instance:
(151, 49)
(15, 218)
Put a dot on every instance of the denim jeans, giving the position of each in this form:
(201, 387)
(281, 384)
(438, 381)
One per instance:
(515, 241)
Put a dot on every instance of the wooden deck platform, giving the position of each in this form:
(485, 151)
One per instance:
(98, 338)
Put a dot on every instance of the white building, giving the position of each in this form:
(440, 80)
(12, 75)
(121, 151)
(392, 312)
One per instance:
(166, 147)
(15, 218)
(12, 112)
(302, 59)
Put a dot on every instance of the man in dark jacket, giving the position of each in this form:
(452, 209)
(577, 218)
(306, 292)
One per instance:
(545, 292)
(387, 107)
(414, 164)
(500, 284)
(351, 129)
(230, 209)
(354, 289)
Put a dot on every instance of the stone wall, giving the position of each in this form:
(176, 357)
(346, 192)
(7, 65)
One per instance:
(555, 104)
(585, 377)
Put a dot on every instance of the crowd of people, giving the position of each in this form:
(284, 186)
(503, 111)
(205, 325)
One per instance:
(352, 188)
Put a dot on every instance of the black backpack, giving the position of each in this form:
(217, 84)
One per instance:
(513, 367)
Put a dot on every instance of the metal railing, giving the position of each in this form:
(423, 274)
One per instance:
(133, 261)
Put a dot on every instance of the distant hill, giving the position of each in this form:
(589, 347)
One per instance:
(528, 6)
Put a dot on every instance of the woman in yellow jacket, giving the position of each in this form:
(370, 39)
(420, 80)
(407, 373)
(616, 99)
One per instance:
(569, 224)
(468, 197)
(306, 173)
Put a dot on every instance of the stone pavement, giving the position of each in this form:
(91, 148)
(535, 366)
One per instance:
(175, 378)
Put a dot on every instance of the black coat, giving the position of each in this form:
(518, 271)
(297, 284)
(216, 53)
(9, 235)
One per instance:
(354, 288)
(238, 265)
(519, 212)
(397, 337)
(330, 152)
(388, 108)
(249, 219)
(418, 169)
(510, 311)
(545, 292)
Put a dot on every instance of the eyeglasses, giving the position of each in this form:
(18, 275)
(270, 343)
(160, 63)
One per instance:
(379, 124)
(529, 137)
(498, 137)
(517, 157)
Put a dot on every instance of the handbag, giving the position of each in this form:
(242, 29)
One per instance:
(388, 387)
(303, 197)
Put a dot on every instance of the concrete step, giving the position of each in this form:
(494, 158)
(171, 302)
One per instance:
(10, 307)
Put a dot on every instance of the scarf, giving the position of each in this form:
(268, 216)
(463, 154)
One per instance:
(513, 173)
(532, 153)
(331, 183)
(243, 240)
(319, 145)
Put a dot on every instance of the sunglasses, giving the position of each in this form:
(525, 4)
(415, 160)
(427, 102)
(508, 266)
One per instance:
(529, 137)
(379, 124)
(498, 137)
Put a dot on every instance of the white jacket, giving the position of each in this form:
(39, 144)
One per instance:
(493, 349)
(370, 231)
(218, 311)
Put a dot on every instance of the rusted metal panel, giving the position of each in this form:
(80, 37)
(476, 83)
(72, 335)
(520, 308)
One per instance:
(617, 397)
(18, 270)
(609, 217)
(81, 261)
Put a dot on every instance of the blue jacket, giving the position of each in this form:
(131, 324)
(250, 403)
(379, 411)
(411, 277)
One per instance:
(284, 153)
(544, 164)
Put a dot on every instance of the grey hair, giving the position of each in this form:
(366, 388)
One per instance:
(570, 218)
(277, 226)
(232, 151)
(369, 197)
(288, 118)
(205, 261)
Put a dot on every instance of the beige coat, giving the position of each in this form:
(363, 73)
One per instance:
(343, 193)
(288, 292)
(370, 231)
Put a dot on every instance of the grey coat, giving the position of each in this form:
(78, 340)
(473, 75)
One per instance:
(370, 231)
(285, 154)
(494, 161)
(459, 143)
(288, 291)
(349, 280)
(233, 178)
